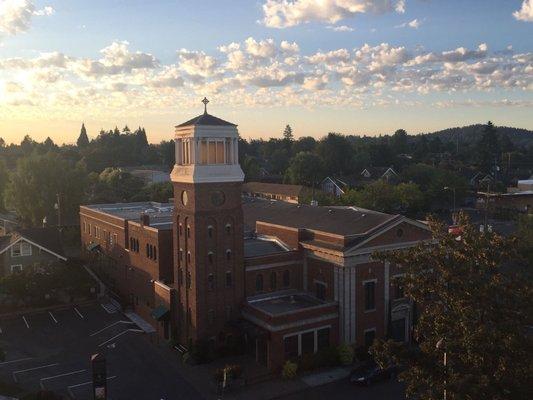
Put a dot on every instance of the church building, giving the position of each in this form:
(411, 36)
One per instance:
(215, 265)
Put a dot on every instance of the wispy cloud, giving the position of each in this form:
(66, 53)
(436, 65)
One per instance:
(340, 28)
(415, 24)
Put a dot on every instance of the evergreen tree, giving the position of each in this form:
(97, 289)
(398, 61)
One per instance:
(83, 139)
(488, 147)
(287, 134)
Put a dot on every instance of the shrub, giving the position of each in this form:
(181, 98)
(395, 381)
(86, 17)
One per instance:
(290, 369)
(345, 352)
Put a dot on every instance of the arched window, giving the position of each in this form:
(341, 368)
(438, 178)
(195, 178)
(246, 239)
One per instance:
(210, 257)
(210, 231)
(228, 254)
(188, 256)
(259, 283)
(228, 228)
(286, 278)
(155, 253)
(147, 250)
(210, 281)
(273, 280)
(188, 231)
(181, 229)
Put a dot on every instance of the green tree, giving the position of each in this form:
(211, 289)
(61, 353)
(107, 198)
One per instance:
(305, 169)
(409, 197)
(287, 133)
(37, 181)
(399, 142)
(377, 196)
(250, 168)
(2, 142)
(83, 139)
(4, 178)
(475, 301)
(488, 147)
(336, 153)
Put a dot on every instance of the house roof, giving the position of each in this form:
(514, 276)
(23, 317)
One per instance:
(344, 221)
(272, 188)
(48, 239)
(205, 119)
(378, 171)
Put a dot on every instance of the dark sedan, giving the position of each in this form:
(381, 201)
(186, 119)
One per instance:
(370, 373)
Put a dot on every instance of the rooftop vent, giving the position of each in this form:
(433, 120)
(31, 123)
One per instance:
(145, 219)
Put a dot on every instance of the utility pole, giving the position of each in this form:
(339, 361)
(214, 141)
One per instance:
(58, 208)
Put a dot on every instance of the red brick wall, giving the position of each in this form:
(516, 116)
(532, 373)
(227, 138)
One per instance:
(319, 270)
(370, 319)
(289, 236)
(401, 233)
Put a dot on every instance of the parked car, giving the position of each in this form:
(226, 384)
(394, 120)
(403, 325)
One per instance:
(371, 372)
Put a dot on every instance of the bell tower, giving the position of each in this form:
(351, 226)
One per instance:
(208, 227)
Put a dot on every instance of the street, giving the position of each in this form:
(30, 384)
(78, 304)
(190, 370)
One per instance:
(389, 390)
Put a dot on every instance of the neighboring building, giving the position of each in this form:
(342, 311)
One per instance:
(373, 173)
(334, 186)
(130, 245)
(276, 191)
(8, 223)
(149, 176)
(481, 180)
(23, 248)
(291, 279)
(519, 201)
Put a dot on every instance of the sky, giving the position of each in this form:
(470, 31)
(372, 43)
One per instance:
(364, 67)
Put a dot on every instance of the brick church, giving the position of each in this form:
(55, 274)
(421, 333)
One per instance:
(288, 279)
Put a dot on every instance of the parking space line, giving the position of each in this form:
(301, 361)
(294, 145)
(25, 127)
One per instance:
(109, 326)
(14, 373)
(26, 322)
(59, 376)
(78, 312)
(120, 334)
(14, 361)
(69, 388)
(52, 315)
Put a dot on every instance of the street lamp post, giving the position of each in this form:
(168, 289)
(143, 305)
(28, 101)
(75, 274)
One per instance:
(441, 344)
(453, 190)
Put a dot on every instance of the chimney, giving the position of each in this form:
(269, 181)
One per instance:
(145, 219)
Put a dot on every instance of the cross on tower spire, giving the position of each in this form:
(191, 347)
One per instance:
(205, 101)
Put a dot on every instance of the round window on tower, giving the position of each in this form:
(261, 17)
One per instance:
(218, 198)
(184, 197)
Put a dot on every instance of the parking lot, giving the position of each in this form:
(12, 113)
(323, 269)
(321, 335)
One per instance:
(51, 350)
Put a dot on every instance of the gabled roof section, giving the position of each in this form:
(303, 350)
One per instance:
(206, 119)
(47, 239)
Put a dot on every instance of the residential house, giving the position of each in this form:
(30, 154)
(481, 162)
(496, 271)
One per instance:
(276, 191)
(22, 248)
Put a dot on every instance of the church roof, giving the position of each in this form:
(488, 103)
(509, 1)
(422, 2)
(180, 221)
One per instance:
(206, 119)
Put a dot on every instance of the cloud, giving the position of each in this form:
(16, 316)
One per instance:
(260, 72)
(340, 28)
(526, 11)
(415, 24)
(16, 15)
(287, 13)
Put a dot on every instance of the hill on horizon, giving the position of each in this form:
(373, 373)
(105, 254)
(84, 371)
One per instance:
(471, 133)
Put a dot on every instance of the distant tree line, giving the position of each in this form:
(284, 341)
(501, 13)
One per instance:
(38, 177)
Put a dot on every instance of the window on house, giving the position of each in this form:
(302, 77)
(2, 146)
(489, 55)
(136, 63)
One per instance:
(180, 254)
(286, 278)
(320, 290)
(147, 250)
(322, 338)
(290, 345)
(155, 253)
(273, 280)
(370, 335)
(21, 249)
(90, 231)
(228, 229)
(210, 231)
(259, 283)
(370, 301)
(229, 279)
(228, 255)
(16, 268)
(210, 281)
(181, 229)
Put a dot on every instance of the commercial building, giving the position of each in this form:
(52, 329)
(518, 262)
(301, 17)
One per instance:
(289, 278)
